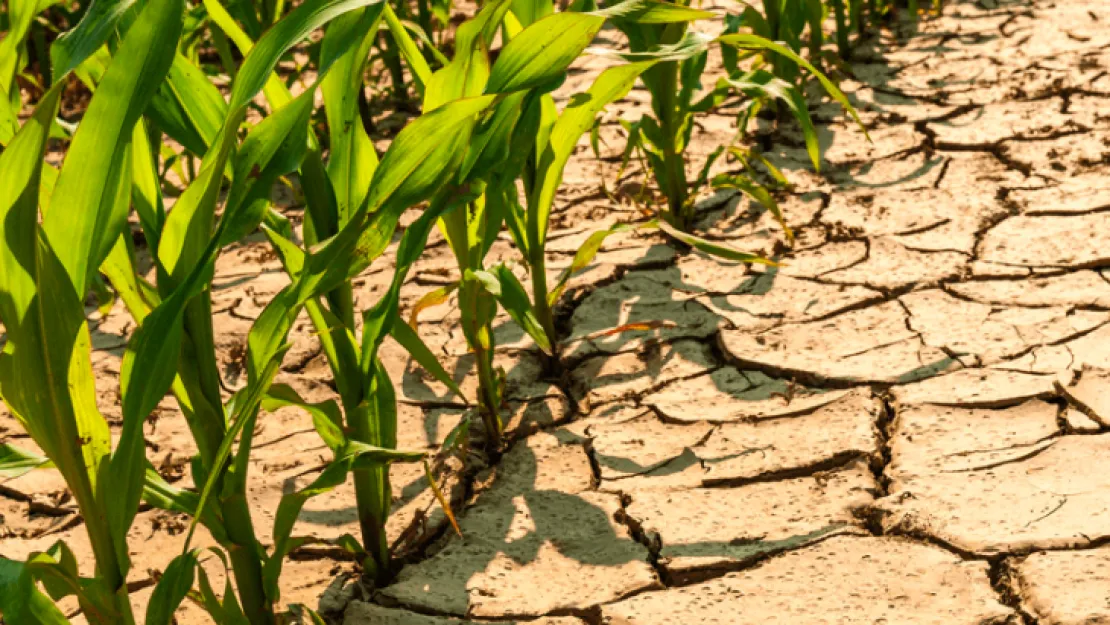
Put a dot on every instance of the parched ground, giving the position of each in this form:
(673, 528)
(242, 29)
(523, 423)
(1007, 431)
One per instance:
(907, 422)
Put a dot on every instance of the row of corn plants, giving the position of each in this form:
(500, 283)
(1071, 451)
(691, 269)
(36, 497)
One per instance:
(486, 153)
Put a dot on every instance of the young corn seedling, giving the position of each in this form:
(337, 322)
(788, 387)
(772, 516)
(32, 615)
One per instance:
(531, 142)
(336, 202)
(673, 82)
(541, 49)
(546, 139)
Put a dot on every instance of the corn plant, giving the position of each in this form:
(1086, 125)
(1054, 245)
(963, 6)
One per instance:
(673, 82)
(534, 37)
(337, 194)
(546, 140)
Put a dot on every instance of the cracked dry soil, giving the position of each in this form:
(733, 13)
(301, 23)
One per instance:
(907, 422)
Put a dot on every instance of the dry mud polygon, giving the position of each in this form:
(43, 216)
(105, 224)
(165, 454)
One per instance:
(841, 580)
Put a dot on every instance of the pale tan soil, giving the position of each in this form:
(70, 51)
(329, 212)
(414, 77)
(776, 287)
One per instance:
(907, 422)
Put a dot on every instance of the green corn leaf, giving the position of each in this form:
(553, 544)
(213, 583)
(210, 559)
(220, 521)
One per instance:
(326, 417)
(752, 19)
(121, 269)
(703, 173)
(146, 191)
(176, 582)
(336, 337)
(53, 379)
(57, 570)
(710, 247)
(292, 257)
(415, 162)
(226, 612)
(273, 148)
(514, 299)
(491, 149)
(151, 361)
(422, 157)
(20, 14)
(814, 15)
(293, 28)
(15, 462)
(352, 156)
(409, 339)
(583, 257)
(84, 227)
(478, 307)
(529, 11)
(45, 372)
(466, 75)
(422, 36)
(653, 12)
(692, 44)
(188, 107)
(77, 44)
(245, 411)
(796, 102)
(21, 601)
(764, 84)
(542, 51)
(20, 171)
(415, 165)
(225, 22)
(515, 218)
(357, 456)
(485, 279)
(614, 83)
(9, 119)
(154, 348)
(421, 73)
(341, 349)
(759, 43)
(690, 73)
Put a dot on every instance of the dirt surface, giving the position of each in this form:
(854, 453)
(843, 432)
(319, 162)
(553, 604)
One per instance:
(906, 422)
